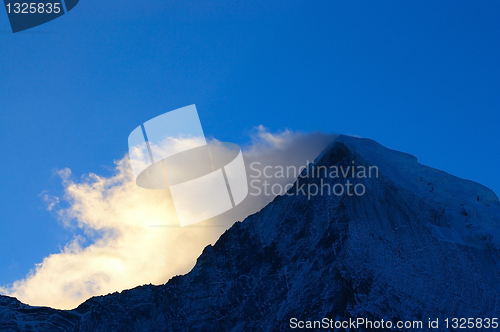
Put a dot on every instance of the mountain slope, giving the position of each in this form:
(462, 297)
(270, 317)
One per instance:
(419, 244)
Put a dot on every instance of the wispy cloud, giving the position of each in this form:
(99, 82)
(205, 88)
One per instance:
(120, 249)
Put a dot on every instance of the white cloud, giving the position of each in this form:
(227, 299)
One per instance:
(116, 215)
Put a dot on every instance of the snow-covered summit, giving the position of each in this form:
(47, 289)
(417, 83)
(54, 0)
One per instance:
(419, 244)
(422, 179)
(471, 209)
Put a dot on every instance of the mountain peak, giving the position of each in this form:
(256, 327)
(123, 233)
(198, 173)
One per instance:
(404, 167)
(418, 244)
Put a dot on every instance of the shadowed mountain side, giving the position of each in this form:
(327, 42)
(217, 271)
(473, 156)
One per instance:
(419, 244)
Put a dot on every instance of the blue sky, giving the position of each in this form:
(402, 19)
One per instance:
(421, 77)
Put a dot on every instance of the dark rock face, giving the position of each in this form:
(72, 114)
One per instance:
(16, 316)
(418, 244)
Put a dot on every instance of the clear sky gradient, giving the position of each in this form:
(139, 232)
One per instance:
(417, 76)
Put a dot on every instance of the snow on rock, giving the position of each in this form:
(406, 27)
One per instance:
(419, 244)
